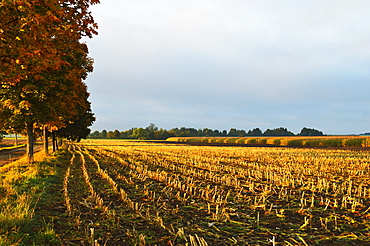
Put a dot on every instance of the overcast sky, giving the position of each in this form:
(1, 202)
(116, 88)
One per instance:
(225, 64)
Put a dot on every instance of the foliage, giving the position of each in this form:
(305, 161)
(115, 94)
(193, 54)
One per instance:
(255, 132)
(313, 143)
(78, 129)
(296, 141)
(333, 142)
(43, 64)
(310, 132)
(281, 131)
(277, 142)
(355, 142)
(152, 132)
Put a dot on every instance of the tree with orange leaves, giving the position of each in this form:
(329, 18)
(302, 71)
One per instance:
(43, 63)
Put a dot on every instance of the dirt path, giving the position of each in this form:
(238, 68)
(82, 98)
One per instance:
(9, 155)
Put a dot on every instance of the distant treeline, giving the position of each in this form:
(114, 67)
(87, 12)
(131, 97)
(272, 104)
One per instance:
(152, 132)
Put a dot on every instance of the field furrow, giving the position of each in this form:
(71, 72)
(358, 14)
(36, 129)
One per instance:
(238, 195)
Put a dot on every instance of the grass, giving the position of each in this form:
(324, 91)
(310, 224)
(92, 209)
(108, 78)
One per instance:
(23, 191)
(13, 147)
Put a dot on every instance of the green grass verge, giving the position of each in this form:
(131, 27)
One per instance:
(27, 193)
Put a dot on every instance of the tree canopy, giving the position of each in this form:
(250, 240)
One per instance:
(153, 132)
(43, 64)
(310, 132)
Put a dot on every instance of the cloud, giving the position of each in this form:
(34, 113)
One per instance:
(236, 63)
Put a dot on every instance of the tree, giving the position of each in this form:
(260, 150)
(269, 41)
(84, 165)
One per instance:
(68, 101)
(95, 134)
(79, 129)
(104, 134)
(36, 39)
(255, 132)
(236, 133)
(281, 131)
(232, 132)
(110, 135)
(140, 133)
(310, 132)
(152, 127)
(116, 134)
(126, 134)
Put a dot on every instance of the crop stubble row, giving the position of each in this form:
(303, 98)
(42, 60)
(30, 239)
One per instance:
(193, 195)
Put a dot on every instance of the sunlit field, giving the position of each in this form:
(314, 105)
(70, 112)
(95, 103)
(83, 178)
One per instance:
(142, 193)
(293, 141)
(224, 195)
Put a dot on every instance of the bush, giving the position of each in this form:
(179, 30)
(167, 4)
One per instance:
(252, 141)
(262, 141)
(355, 142)
(204, 140)
(212, 140)
(232, 140)
(192, 140)
(295, 142)
(335, 142)
(277, 141)
(367, 142)
(240, 141)
(312, 143)
(220, 140)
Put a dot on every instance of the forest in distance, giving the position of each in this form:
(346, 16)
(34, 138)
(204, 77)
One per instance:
(152, 132)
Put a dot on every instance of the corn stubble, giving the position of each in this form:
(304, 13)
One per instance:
(191, 195)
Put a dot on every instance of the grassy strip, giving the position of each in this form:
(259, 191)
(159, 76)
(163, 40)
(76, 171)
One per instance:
(24, 195)
(13, 147)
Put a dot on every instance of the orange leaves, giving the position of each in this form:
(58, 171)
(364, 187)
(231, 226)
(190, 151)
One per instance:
(24, 105)
(42, 60)
(38, 77)
(8, 104)
(21, 8)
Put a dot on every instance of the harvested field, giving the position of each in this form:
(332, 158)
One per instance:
(140, 193)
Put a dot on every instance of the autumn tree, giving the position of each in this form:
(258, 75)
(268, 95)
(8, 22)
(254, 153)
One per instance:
(69, 98)
(79, 128)
(40, 40)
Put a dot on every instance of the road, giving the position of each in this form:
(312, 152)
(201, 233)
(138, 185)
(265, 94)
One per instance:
(9, 155)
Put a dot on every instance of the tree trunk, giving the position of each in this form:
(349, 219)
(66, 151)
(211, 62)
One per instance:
(46, 143)
(30, 141)
(16, 140)
(54, 142)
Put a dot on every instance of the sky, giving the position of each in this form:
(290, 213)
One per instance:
(224, 64)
